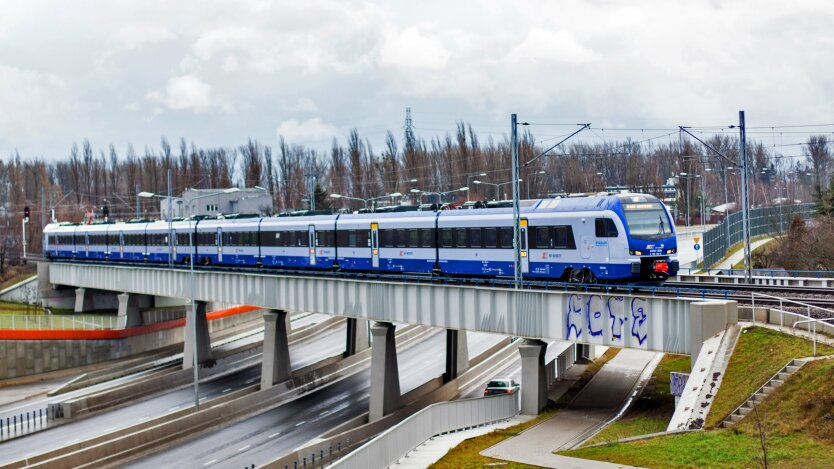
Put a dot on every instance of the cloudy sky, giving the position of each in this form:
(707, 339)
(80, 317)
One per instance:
(218, 72)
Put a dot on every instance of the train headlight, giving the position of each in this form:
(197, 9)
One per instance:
(671, 251)
(636, 252)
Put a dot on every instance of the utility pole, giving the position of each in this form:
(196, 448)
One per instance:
(138, 213)
(170, 225)
(745, 215)
(516, 209)
(43, 208)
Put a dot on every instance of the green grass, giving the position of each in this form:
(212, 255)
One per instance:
(738, 246)
(16, 274)
(758, 355)
(714, 449)
(797, 432)
(19, 308)
(651, 412)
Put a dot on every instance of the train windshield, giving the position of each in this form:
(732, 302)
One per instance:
(647, 221)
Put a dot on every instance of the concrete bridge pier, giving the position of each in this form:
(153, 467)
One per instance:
(276, 351)
(83, 300)
(357, 338)
(130, 304)
(457, 354)
(533, 376)
(385, 378)
(203, 339)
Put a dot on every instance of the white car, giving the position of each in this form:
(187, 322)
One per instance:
(501, 386)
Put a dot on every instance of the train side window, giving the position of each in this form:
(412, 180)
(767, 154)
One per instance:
(402, 238)
(505, 237)
(605, 228)
(544, 239)
(413, 238)
(564, 238)
(446, 238)
(490, 237)
(460, 238)
(352, 238)
(475, 237)
(427, 238)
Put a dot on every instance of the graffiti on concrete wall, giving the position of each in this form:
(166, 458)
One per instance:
(610, 320)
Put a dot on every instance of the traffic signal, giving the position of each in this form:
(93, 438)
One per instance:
(26, 213)
(105, 211)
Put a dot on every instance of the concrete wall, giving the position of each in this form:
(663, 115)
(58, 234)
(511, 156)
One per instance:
(22, 292)
(26, 357)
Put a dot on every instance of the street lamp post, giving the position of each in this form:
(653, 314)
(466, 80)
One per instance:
(468, 177)
(340, 196)
(193, 248)
(497, 186)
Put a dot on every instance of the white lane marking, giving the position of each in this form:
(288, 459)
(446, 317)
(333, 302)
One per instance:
(73, 441)
(142, 419)
(209, 463)
(325, 412)
(300, 423)
(227, 390)
(250, 381)
(203, 398)
(244, 448)
(109, 429)
(274, 435)
(173, 408)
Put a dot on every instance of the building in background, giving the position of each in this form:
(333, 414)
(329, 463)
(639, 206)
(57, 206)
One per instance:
(213, 202)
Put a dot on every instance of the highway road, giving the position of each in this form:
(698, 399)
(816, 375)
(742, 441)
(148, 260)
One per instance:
(229, 343)
(262, 438)
(306, 352)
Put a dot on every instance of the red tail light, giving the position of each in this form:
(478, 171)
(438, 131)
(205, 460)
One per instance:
(486, 392)
(509, 391)
(662, 267)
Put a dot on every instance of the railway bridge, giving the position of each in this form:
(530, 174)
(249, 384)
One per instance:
(640, 321)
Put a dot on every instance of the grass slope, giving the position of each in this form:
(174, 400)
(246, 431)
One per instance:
(758, 355)
(798, 420)
(652, 410)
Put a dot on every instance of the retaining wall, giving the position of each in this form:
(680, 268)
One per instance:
(32, 352)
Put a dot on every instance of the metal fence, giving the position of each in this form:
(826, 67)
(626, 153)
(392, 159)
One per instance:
(435, 419)
(49, 321)
(763, 221)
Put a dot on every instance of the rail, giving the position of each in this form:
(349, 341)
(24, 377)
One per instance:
(436, 419)
(57, 322)
(759, 272)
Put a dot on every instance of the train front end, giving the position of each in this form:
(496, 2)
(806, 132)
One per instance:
(652, 241)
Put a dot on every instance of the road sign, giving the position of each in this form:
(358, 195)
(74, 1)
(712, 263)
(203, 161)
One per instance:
(697, 240)
(697, 247)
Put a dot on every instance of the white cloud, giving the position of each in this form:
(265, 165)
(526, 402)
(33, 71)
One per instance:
(411, 49)
(546, 46)
(302, 105)
(135, 35)
(188, 93)
(308, 131)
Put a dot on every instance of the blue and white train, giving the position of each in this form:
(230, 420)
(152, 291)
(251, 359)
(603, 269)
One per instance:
(608, 238)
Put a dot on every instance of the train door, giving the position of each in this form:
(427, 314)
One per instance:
(219, 244)
(86, 245)
(375, 245)
(522, 233)
(311, 241)
(587, 244)
(121, 244)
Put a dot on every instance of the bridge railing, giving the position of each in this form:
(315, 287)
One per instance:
(57, 322)
(436, 419)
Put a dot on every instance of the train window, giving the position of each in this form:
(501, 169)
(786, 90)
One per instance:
(605, 228)
(490, 237)
(544, 239)
(446, 239)
(474, 237)
(505, 237)
(460, 238)
(563, 238)
(352, 238)
(386, 238)
(402, 238)
(413, 238)
(427, 238)
(302, 238)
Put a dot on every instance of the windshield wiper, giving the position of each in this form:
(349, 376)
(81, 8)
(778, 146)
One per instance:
(662, 229)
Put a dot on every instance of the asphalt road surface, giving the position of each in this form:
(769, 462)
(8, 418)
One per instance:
(262, 438)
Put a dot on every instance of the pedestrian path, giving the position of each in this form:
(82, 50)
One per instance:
(737, 256)
(597, 403)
